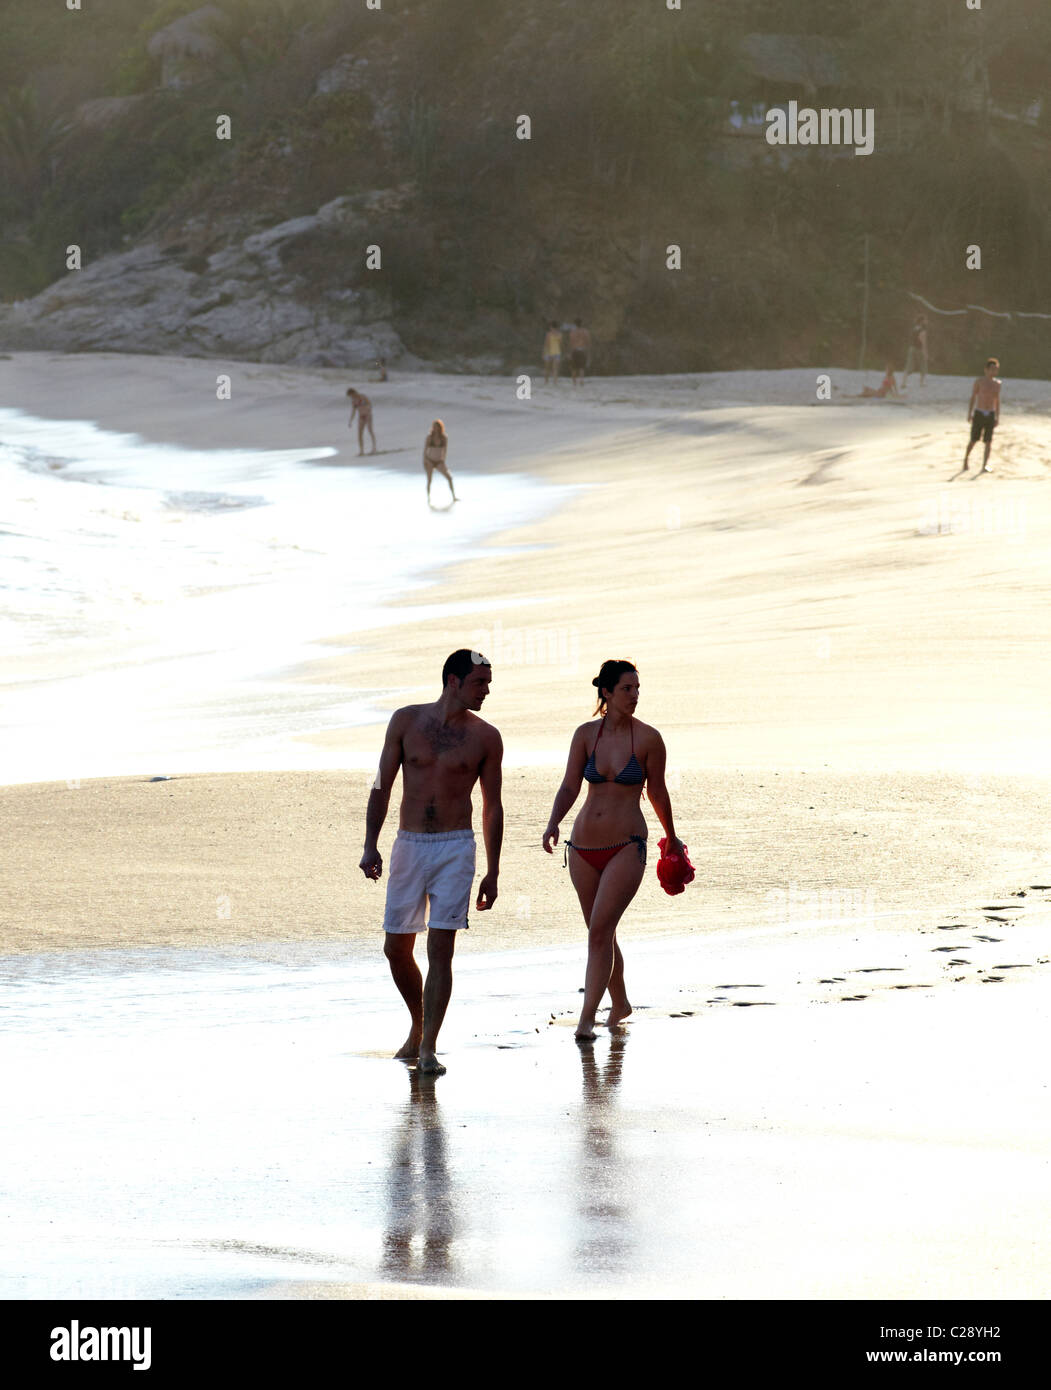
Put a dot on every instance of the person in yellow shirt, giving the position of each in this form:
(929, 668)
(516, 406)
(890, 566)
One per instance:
(552, 352)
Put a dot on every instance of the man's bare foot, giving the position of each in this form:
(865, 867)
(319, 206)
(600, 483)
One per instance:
(617, 1014)
(410, 1048)
(429, 1065)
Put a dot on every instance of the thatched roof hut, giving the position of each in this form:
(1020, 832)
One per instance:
(188, 46)
(809, 61)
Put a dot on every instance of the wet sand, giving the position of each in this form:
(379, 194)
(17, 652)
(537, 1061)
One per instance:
(236, 1133)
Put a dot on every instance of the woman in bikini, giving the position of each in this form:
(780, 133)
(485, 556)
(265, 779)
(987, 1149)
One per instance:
(615, 756)
(435, 447)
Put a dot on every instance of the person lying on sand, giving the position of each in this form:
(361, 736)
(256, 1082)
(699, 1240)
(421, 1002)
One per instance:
(887, 387)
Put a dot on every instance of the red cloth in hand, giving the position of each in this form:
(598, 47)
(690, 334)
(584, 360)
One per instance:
(674, 870)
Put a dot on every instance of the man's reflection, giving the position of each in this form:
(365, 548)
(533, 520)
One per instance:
(419, 1200)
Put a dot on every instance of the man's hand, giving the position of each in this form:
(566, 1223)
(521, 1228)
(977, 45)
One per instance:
(486, 893)
(371, 864)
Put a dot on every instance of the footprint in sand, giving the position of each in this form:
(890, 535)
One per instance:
(950, 949)
(1025, 965)
(835, 980)
(740, 986)
(954, 926)
(992, 979)
(979, 937)
(852, 998)
(879, 969)
(753, 1003)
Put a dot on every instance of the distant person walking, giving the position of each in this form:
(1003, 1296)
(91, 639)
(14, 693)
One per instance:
(615, 756)
(984, 411)
(363, 410)
(442, 750)
(579, 350)
(917, 352)
(434, 449)
(552, 352)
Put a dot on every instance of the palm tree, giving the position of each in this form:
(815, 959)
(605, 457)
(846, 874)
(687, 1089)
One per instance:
(30, 141)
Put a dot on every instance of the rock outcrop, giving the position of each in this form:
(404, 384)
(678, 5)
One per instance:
(245, 300)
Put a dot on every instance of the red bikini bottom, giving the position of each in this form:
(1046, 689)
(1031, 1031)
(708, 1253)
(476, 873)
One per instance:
(599, 858)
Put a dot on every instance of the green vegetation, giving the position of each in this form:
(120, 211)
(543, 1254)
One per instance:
(631, 150)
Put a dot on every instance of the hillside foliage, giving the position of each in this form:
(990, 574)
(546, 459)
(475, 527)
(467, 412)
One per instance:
(631, 151)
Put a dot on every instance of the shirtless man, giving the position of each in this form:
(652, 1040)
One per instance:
(984, 411)
(363, 410)
(442, 750)
(579, 350)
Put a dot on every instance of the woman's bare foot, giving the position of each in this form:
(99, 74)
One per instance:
(410, 1048)
(429, 1065)
(617, 1014)
(585, 1030)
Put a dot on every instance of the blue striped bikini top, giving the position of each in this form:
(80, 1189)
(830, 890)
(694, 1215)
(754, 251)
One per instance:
(631, 774)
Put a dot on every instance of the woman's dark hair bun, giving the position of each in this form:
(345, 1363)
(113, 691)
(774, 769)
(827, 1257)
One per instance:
(607, 679)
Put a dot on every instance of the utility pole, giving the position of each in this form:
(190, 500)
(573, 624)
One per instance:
(864, 310)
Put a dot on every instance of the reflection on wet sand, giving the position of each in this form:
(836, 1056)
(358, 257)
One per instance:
(185, 1125)
(420, 1205)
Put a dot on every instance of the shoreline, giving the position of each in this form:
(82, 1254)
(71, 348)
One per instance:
(182, 633)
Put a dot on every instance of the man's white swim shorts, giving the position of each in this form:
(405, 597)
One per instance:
(439, 867)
